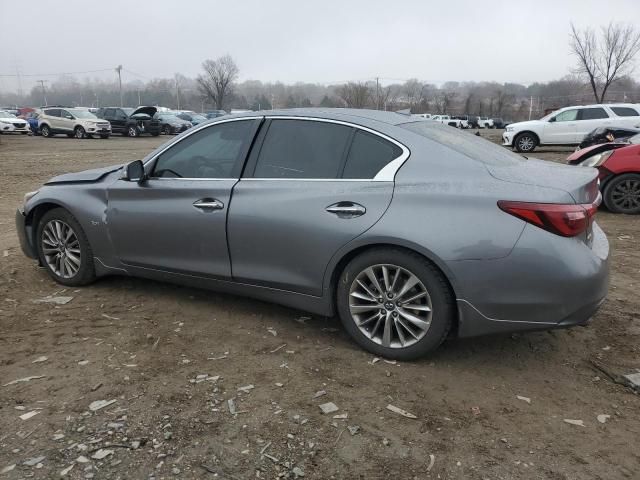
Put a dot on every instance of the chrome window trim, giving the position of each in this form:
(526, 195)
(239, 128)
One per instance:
(386, 174)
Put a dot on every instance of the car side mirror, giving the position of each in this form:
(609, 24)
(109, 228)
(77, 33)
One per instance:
(134, 172)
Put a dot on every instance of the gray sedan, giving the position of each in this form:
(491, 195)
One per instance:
(410, 231)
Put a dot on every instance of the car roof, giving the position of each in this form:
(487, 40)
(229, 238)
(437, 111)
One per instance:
(633, 105)
(345, 114)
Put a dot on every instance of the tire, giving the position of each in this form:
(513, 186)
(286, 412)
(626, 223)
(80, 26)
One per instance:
(104, 137)
(65, 269)
(371, 334)
(525, 142)
(45, 131)
(166, 130)
(79, 133)
(622, 194)
(132, 131)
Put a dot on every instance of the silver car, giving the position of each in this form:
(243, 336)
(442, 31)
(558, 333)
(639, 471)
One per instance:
(410, 231)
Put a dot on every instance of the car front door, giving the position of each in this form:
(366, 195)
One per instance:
(308, 189)
(561, 129)
(66, 121)
(175, 221)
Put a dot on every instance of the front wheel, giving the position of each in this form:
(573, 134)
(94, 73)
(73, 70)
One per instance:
(395, 303)
(63, 248)
(79, 133)
(132, 131)
(45, 131)
(622, 194)
(525, 142)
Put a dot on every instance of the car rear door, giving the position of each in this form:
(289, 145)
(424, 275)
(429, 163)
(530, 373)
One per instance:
(309, 188)
(590, 118)
(175, 221)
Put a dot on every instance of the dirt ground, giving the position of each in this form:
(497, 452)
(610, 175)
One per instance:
(172, 358)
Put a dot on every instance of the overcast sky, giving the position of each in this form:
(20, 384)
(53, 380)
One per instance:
(322, 41)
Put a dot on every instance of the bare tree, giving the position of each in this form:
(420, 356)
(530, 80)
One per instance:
(217, 81)
(414, 90)
(355, 94)
(606, 58)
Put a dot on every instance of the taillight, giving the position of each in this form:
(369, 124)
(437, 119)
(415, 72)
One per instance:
(567, 220)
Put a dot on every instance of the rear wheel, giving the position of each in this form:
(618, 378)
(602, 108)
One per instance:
(166, 130)
(622, 194)
(394, 303)
(63, 248)
(45, 131)
(525, 142)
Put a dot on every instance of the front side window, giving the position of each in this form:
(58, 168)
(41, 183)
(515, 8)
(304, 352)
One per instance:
(625, 111)
(65, 114)
(213, 152)
(368, 155)
(302, 149)
(567, 116)
(592, 113)
(110, 112)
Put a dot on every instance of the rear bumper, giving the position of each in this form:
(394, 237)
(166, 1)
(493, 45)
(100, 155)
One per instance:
(546, 282)
(25, 235)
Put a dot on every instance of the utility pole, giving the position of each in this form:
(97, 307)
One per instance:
(377, 93)
(139, 102)
(44, 93)
(177, 94)
(530, 106)
(119, 70)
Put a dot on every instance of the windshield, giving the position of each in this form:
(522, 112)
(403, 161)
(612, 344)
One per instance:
(476, 148)
(198, 117)
(635, 140)
(5, 114)
(82, 114)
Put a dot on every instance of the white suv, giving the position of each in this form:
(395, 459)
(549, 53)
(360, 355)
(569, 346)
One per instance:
(569, 125)
(74, 122)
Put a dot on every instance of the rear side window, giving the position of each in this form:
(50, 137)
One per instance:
(213, 152)
(54, 112)
(302, 149)
(625, 111)
(368, 155)
(592, 113)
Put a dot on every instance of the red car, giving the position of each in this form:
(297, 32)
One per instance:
(619, 166)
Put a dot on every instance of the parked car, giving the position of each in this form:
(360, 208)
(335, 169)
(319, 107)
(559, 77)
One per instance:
(499, 123)
(170, 124)
(131, 122)
(485, 122)
(619, 166)
(214, 114)
(191, 117)
(267, 205)
(9, 123)
(464, 121)
(446, 120)
(569, 125)
(607, 134)
(74, 122)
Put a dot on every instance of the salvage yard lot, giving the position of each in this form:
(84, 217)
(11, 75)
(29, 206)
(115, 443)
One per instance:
(173, 357)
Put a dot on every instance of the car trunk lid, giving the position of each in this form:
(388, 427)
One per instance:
(580, 183)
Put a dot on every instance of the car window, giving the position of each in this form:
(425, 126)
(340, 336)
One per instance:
(54, 112)
(567, 116)
(302, 149)
(625, 111)
(212, 152)
(368, 155)
(110, 112)
(592, 113)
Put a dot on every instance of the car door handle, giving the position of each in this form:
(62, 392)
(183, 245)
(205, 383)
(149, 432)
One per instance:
(208, 204)
(346, 209)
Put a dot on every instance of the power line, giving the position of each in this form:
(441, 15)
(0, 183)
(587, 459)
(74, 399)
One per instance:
(51, 74)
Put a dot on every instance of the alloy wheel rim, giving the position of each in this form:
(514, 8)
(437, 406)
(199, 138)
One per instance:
(61, 248)
(79, 133)
(525, 143)
(390, 306)
(626, 195)
(132, 132)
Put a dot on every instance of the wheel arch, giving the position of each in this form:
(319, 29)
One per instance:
(530, 132)
(340, 261)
